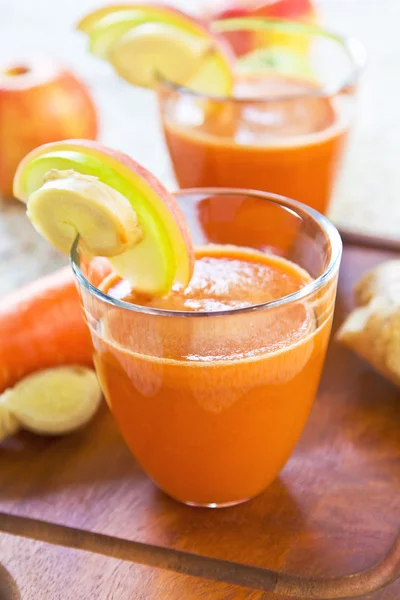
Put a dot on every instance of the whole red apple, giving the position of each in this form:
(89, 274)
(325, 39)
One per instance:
(242, 41)
(40, 101)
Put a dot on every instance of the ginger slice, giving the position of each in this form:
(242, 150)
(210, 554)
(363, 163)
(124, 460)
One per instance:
(69, 203)
(372, 330)
(50, 402)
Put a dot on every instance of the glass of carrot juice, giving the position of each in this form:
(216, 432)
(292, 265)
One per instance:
(212, 385)
(284, 127)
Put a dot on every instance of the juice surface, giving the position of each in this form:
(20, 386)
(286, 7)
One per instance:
(290, 145)
(224, 277)
(212, 407)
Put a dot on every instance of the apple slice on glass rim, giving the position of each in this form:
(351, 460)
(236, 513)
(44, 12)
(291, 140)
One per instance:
(147, 42)
(245, 41)
(117, 207)
(149, 11)
(107, 29)
(276, 59)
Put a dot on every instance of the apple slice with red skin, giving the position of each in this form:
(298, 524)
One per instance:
(280, 9)
(296, 10)
(149, 51)
(284, 9)
(110, 27)
(164, 256)
(153, 10)
(243, 41)
(136, 37)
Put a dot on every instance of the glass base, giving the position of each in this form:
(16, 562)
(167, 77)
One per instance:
(216, 504)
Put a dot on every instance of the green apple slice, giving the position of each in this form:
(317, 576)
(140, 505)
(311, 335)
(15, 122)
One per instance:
(214, 77)
(143, 41)
(110, 29)
(275, 59)
(161, 254)
(152, 11)
(112, 26)
(151, 50)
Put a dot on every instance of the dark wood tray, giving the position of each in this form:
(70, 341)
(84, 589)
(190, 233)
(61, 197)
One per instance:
(79, 519)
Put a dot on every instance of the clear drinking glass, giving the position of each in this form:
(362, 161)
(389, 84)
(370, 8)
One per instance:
(284, 130)
(212, 404)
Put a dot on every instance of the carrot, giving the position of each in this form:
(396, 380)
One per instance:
(42, 326)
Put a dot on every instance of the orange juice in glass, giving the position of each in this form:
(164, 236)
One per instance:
(284, 127)
(211, 385)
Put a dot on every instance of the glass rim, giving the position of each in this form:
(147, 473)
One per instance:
(298, 208)
(354, 49)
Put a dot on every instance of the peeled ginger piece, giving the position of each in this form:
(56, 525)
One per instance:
(69, 203)
(51, 402)
(372, 330)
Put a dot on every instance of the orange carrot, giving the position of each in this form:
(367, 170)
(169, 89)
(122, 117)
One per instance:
(42, 326)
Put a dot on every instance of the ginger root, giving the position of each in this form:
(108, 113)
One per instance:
(372, 330)
(51, 402)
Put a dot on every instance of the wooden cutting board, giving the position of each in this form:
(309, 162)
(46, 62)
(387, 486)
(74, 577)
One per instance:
(334, 510)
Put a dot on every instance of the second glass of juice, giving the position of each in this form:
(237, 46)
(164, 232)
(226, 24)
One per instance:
(212, 384)
(284, 128)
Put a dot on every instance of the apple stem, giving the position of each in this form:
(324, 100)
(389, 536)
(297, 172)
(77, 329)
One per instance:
(16, 71)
